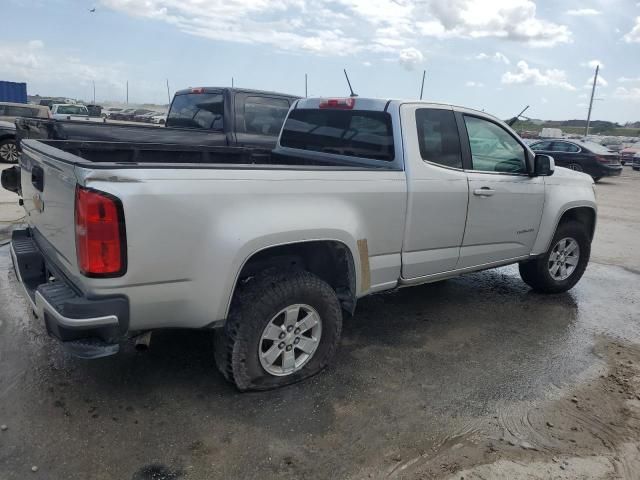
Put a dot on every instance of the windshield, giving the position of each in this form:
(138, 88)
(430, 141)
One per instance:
(72, 110)
(197, 110)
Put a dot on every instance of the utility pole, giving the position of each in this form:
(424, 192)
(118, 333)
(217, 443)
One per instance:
(424, 73)
(305, 85)
(168, 94)
(593, 91)
(231, 82)
(127, 92)
(94, 92)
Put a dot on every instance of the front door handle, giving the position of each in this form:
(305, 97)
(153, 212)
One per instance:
(484, 192)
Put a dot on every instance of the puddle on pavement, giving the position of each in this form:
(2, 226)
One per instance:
(419, 370)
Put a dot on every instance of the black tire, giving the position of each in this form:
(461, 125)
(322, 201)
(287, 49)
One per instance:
(7, 143)
(535, 273)
(576, 167)
(253, 307)
(597, 179)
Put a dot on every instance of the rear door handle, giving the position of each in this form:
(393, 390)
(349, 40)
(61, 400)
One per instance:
(484, 192)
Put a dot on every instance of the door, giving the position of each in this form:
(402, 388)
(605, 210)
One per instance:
(259, 119)
(437, 191)
(505, 203)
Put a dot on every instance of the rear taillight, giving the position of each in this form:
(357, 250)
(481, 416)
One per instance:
(100, 234)
(338, 103)
(604, 159)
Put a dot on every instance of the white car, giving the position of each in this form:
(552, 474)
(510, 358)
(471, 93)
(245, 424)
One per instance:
(67, 111)
(159, 119)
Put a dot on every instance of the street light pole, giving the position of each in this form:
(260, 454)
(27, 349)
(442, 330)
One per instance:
(593, 91)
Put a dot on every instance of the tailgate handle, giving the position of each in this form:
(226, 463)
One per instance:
(37, 178)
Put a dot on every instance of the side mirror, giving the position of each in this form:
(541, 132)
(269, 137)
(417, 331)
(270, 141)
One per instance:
(544, 165)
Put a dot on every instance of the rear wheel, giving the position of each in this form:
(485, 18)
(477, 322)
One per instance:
(575, 166)
(597, 179)
(8, 151)
(562, 266)
(282, 328)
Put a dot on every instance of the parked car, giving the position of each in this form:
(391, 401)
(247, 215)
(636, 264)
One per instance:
(587, 157)
(144, 117)
(131, 116)
(626, 155)
(122, 114)
(8, 149)
(199, 116)
(10, 111)
(636, 161)
(160, 119)
(270, 247)
(67, 111)
(95, 110)
(107, 112)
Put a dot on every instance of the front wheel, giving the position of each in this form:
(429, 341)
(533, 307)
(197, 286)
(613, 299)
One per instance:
(8, 151)
(575, 167)
(562, 266)
(282, 328)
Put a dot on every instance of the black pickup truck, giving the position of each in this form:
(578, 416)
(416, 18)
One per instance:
(208, 116)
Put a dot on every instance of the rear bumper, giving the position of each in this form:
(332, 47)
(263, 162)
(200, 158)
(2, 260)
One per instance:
(610, 170)
(87, 327)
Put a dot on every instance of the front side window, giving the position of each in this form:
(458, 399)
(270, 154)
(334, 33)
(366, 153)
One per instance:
(265, 116)
(197, 110)
(438, 137)
(493, 149)
(564, 147)
(355, 133)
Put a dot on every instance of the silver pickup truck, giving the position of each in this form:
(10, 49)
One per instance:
(272, 248)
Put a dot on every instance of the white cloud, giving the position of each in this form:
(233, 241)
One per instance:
(496, 57)
(509, 19)
(533, 76)
(544, 100)
(584, 12)
(592, 64)
(624, 93)
(32, 62)
(601, 82)
(474, 84)
(367, 64)
(410, 57)
(346, 27)
(634, 35)
(628, 79)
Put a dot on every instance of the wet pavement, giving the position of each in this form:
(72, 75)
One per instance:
(417, 369)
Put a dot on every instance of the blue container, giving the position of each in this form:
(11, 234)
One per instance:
(13, 92)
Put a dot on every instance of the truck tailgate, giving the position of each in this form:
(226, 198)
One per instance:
(48, 190)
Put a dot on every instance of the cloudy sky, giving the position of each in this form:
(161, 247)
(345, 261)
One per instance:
(497, 55)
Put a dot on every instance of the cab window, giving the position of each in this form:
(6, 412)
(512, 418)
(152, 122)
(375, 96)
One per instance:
(493, 149)
(264, 115)
(438, 137)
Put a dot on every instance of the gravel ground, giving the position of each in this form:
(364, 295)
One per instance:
(475, 377)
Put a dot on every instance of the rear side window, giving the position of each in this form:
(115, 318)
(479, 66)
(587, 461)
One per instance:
(264, 115)
(72, 110)
(354, 133)
(197, 110)
(541, 146)
(564, 147)
(438, 137)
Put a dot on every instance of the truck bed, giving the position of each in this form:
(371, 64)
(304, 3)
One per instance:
(109, 155)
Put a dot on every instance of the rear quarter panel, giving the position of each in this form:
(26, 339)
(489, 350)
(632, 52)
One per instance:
(189, 231)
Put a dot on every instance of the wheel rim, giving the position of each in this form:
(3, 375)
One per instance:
(9, 152)
(575, 166)
(290, 340)
(564, 258)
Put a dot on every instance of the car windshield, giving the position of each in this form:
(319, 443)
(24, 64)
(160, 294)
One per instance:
(72, 110)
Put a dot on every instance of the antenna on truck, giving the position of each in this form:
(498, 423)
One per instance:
(353, 94)
(513, 120)
(424, 74)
